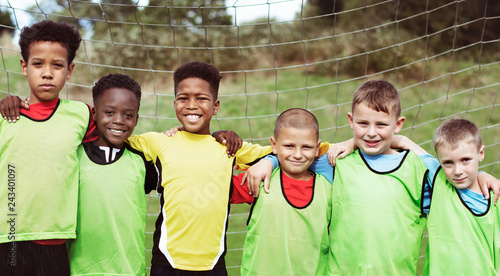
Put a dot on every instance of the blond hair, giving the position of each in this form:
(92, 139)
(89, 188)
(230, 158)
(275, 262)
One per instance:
(455, 131)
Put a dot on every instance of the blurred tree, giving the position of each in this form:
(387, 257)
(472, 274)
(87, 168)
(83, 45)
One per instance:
(6, 25)
(458, 22)
(125, 35)
(189, 12)
(325, 8)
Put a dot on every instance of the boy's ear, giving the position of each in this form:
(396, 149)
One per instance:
(216, 107)
(137, 119)
(349, 116)
(399, 124)
(317, 147)
(481, 153)
(93, 114)
(273, 145)
(70, 70)
(24, 67)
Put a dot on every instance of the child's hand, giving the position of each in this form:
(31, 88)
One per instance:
(229, 138)
(340, 150)
(171, 132)
(10, 106)
(486, 182)
(257, 173)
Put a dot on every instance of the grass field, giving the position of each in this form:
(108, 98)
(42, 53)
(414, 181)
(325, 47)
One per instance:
(471, 93)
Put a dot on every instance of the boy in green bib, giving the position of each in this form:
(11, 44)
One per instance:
(288, 227)
(380, 196)
(463, 226)
(114, 179)
(38, 156)
(377, 218)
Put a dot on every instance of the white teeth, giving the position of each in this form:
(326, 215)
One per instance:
(117, 131)
(193, 116)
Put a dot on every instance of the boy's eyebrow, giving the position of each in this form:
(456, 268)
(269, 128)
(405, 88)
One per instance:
(443, 160)
(197, 93)
(465, 157)
(111, 105)
(386, 120)
(40, 59)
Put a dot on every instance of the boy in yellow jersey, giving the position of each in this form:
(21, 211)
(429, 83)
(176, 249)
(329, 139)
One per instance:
(463, 226)
(38, 157)
(288, 227)
(190, 235)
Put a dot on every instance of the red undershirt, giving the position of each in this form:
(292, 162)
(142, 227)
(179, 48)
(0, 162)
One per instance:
(41, 111)
(298, 192)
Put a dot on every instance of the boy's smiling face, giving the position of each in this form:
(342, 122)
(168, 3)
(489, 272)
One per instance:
(373, 130)
(116, 115)
(296, 150)
(195, 105)
(460, 165)
(47, 70)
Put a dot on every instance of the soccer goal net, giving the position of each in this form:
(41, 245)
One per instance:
(442, 55)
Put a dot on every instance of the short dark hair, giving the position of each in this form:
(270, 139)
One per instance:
(380, 95)
(47, 30)
(201, 70)
(116, 81)
(296, 118)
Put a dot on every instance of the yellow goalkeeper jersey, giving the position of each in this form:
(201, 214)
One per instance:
(195, 193)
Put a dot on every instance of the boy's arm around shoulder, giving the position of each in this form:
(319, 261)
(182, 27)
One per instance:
(403, 142)
(340, 150)
(261, 171)
(249, 153)
(486, 182)
(10, 107)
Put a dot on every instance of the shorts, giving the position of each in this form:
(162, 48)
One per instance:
(28, 258)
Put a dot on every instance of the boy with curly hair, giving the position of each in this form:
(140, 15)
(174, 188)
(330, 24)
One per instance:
(114, 178)
(39, 162)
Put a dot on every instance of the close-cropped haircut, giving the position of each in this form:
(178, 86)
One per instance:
(201, 70)
(51, 31)
(379, 95)
(296, 118)
(456, 131)
(116, 81)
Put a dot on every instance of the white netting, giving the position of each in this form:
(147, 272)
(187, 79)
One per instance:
(442, 55)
